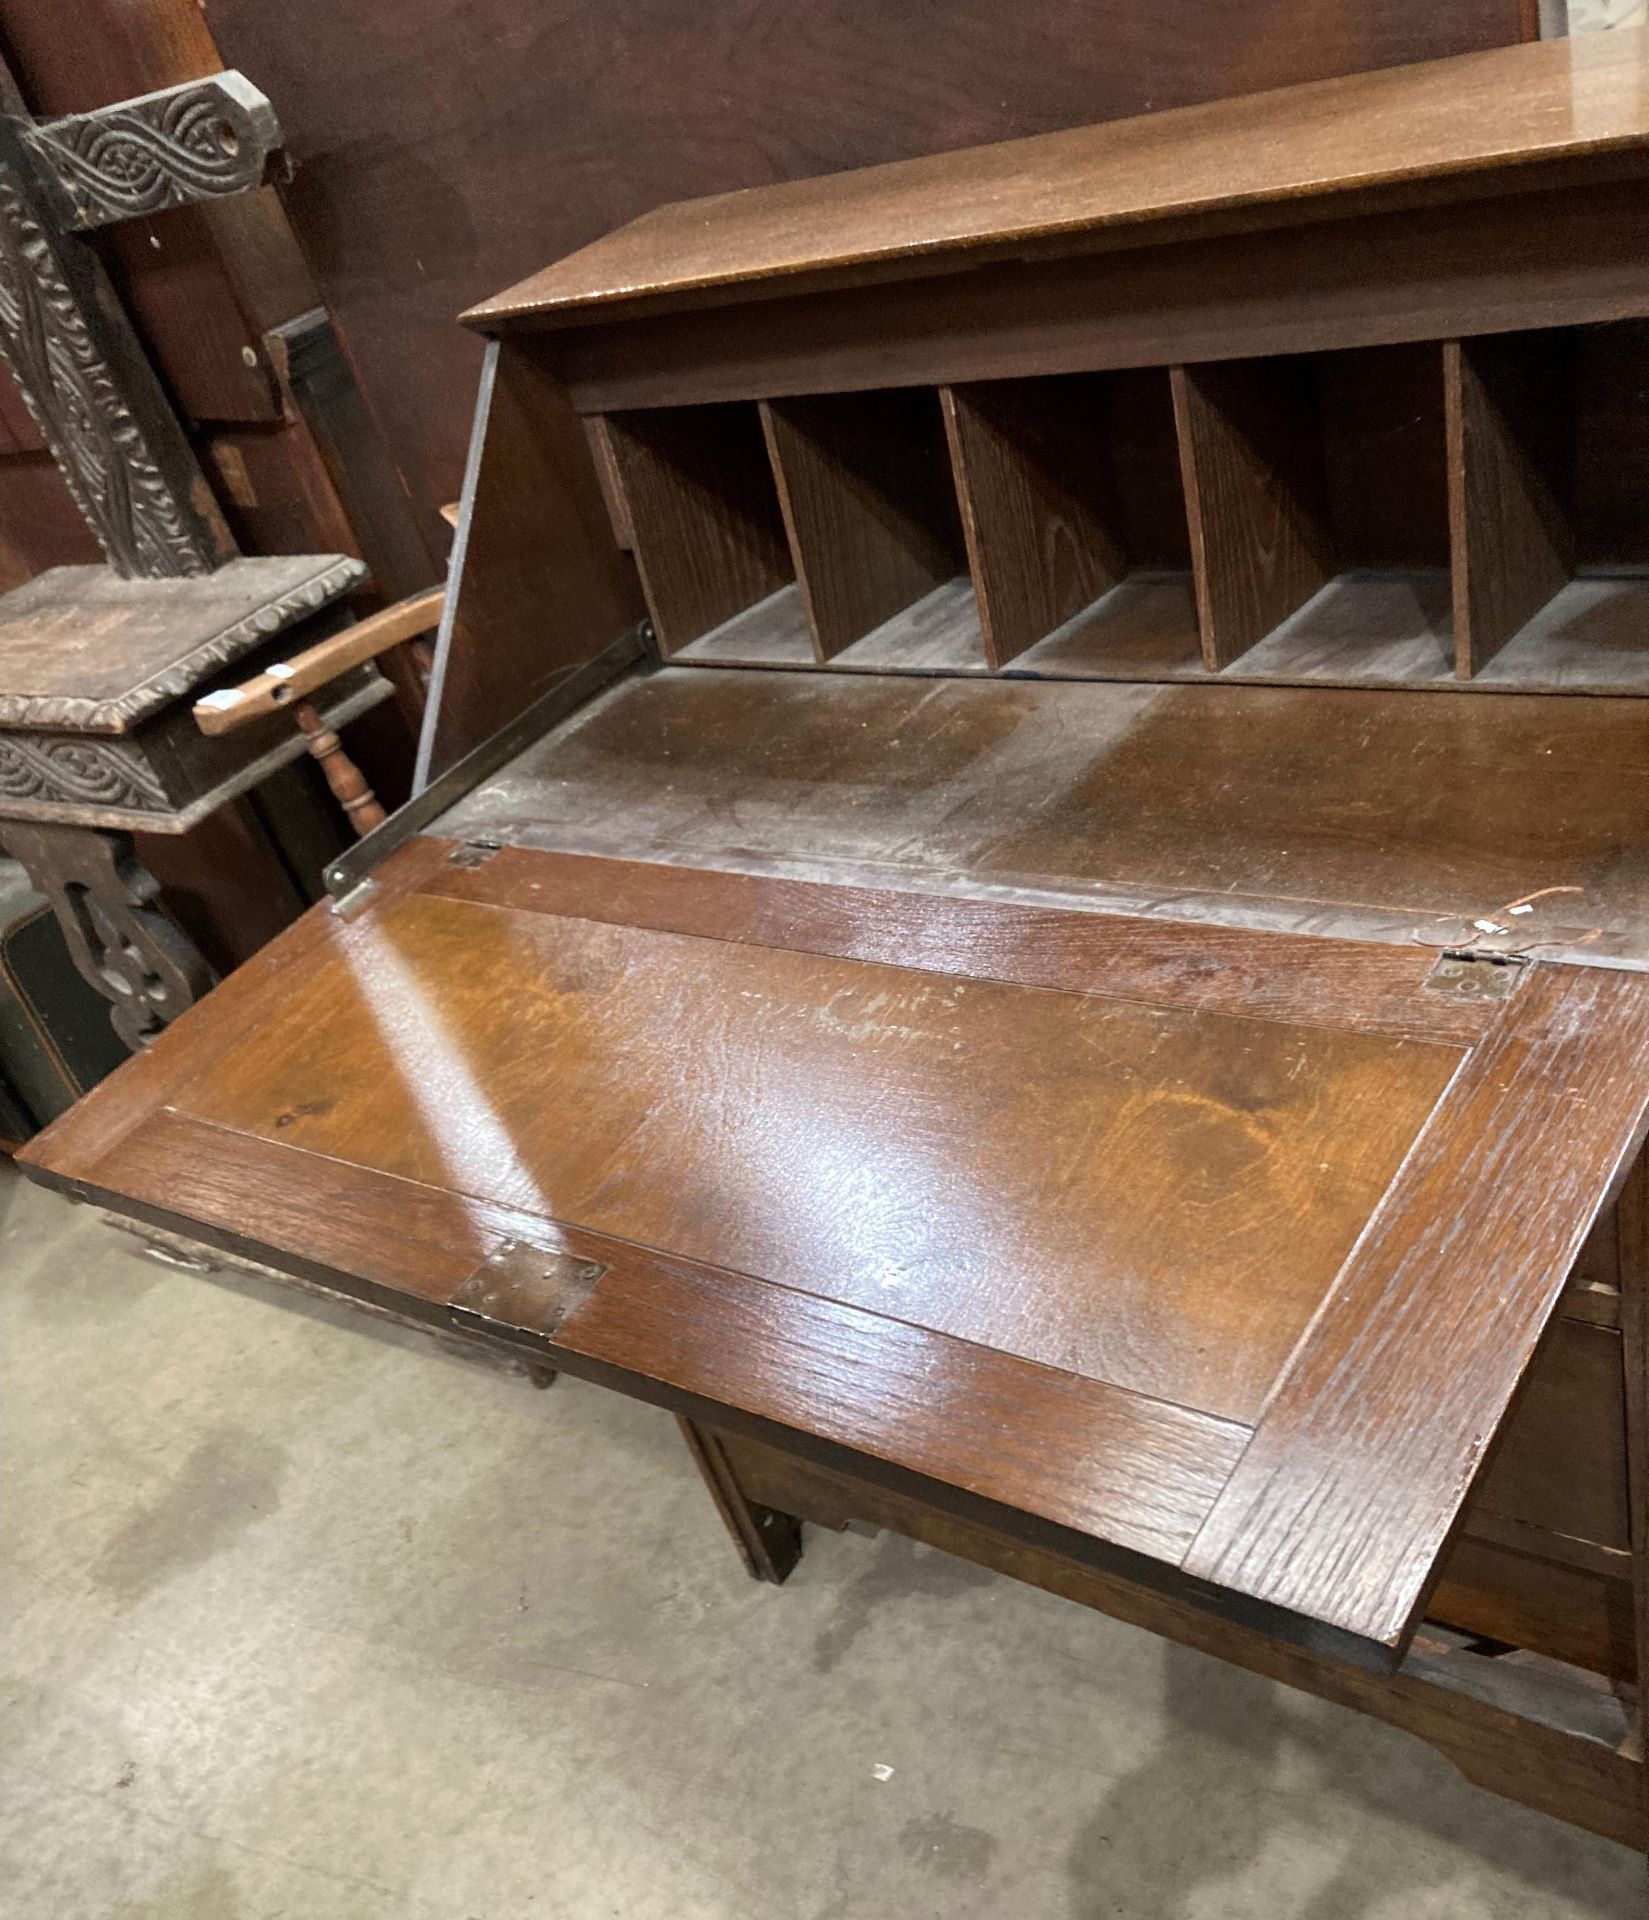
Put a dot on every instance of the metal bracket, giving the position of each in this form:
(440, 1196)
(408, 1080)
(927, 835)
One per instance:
(474, 853)
(1472, 975)
(346, 878)
(522, 1294)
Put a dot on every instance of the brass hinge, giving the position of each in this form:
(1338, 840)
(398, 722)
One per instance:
(1472, 975)
(523, 1294)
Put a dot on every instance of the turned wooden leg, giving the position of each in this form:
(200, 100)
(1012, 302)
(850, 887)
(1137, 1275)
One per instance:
(348, 783)
(1634, 1327)
(769, 1542)
(120, 938)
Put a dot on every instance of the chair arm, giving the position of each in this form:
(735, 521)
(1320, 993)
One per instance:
(282, 685)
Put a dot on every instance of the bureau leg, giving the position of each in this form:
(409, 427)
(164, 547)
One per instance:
(122, 941)
(1634, 1324)
(769, 1542)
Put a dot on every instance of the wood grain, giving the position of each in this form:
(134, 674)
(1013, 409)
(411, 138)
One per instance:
(1246, 160)
(246, 1000)
(868, 506)
(708, 1097)
(1117, 1473)
(1376, 1431)
(702, 514)
(1116, 1467)
(1251, 452)
(1511, 450)
(1467, 269)
(1039, 506)
(1363, 988)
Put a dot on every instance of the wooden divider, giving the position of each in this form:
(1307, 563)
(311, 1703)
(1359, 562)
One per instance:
(868, 505)
(1510, 401)
(1040, 508)
(1251, 454)
(702, 512)
(1164, 523)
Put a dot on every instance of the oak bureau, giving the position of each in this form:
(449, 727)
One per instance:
(1055, 954)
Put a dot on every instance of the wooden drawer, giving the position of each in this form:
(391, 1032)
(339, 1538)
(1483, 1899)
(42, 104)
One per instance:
(1542, 1559)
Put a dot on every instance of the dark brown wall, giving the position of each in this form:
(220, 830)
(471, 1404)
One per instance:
(445, 151)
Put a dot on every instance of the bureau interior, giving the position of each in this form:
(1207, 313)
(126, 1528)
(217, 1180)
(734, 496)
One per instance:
(1417, 513)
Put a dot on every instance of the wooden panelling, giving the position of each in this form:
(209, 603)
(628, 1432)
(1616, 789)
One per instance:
(1246, 162)
(1353, 1481)
(1251, 451)
(40, 526)
(1511, 438)
(702, 513)
(175, 273)
(868, 506)
(734, 1135)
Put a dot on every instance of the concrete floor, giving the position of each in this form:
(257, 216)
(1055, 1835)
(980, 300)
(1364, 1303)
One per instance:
(297, 1622)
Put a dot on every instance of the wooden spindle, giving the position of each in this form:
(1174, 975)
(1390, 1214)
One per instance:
(348, 783)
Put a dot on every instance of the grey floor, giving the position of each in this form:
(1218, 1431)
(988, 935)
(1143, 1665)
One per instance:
(300, 1623)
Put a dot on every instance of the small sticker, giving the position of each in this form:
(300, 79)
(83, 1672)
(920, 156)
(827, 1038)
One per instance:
(1525, 908)
(280, 671)
(1489, 926)
(227, 697)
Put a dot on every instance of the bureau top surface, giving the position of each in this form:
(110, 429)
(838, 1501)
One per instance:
(1247, 160)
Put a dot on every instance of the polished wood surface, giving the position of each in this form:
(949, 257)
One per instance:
(761, 1106)
(1403, 1377)
(1102, 1120)
(1466, 269)
(312, 667)
(1443, 122)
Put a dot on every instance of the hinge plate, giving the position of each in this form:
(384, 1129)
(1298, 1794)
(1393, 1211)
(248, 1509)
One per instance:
(522, 1293)
(474, 853)
(1476, 976)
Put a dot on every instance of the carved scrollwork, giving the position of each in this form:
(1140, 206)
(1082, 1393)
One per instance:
(99, 447)
(194, 142)
(121, 941)
(79, 773)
